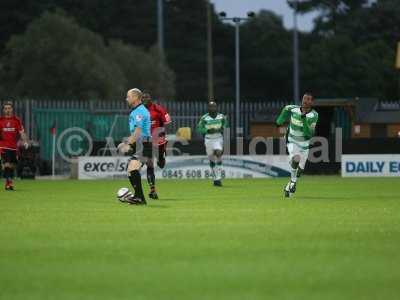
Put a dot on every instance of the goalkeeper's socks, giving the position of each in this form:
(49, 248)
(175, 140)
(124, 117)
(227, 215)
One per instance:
(136, 183)
(151, 178)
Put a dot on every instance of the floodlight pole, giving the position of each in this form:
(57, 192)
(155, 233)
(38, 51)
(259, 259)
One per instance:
(160, 42)
(237, 21)
(237, 55)
(296, 84)
(160, 26)
(210, 71)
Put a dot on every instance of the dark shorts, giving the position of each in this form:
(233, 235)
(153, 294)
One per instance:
(142, 151)
(9, 156)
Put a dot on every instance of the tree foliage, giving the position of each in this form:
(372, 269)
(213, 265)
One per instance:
(350, 51)
(56, 58)
(144, 69)
(354, 46)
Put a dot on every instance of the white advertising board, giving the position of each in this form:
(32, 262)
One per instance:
(188, 167)
(385, 165)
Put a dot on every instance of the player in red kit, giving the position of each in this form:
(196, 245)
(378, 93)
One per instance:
(11, 130)
(159, 118)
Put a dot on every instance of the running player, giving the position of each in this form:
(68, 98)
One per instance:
(11, 131)
(159, 119)
(302, 122)
(212, 125)
(139, 144)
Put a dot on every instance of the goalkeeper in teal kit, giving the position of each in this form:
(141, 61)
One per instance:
(302, 122)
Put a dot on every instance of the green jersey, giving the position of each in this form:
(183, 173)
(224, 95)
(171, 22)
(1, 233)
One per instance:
(301, 128)
(212, 127)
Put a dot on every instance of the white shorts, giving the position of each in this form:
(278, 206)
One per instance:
(294, 150)
(214, 144)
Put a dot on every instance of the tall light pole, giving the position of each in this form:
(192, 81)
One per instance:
(161, 45)
(210, 70)
(237, 21)
(160, 26)
(296, 84)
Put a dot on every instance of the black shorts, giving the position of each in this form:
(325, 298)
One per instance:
(142, 151)
(9, 156)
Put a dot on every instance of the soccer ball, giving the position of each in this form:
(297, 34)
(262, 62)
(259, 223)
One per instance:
(123, 194)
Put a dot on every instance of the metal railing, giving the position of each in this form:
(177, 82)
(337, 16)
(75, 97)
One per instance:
(184, 114)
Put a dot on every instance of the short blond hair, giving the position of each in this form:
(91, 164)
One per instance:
(136, 92)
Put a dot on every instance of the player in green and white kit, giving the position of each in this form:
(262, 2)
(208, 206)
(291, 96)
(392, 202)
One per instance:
(302, 121)
(212, 126)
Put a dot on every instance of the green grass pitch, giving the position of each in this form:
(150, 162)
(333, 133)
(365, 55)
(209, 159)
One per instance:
(336, 239)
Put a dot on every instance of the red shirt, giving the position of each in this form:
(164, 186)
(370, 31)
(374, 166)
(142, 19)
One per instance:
(10, 128)
(159, 118)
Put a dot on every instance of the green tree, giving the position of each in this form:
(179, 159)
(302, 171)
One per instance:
(333, 14)
(130, 21)
(135, 23)
(56, 58)
(354, 46)
(267, 48)
(144, 69)
(185, 42)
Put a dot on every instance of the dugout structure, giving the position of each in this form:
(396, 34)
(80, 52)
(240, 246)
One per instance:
(368, 126)
(359, 118)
